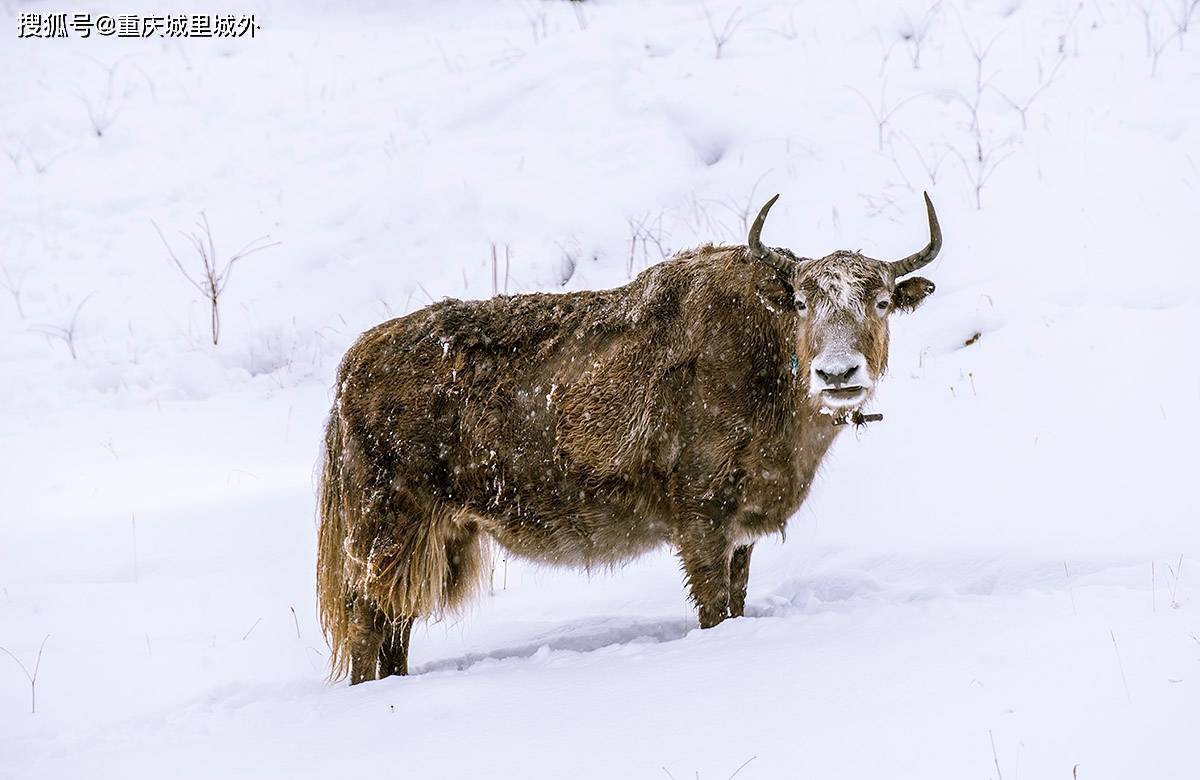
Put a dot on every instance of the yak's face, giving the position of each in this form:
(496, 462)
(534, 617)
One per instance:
(843, 303)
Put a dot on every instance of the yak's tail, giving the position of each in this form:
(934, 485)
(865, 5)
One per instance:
(421, 560)
(333, 594)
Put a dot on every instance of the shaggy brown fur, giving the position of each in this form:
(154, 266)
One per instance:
(580, 429)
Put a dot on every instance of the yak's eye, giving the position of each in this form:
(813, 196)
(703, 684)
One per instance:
(883, 304)
(801, 304)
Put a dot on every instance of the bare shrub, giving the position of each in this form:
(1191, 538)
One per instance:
(102, 109)
(1155, 45)
(1159, 48)
(15, 287)
(788, 31)
(1045, 80)
(41, 163)
(882, 112)
(647, 231)
(14, 156)
(66, 333)
(986, 156)
(1068, 30)
(32, 677)
(535, 15)
(727, 31)
(916, 31)
(885, 50)
(211, 277)
(1187, 9)
(931, 163)
(743, 209)
(982, 163)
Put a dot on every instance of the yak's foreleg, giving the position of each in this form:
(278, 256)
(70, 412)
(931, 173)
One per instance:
(704, 547)
(707, 569)
(739, 576)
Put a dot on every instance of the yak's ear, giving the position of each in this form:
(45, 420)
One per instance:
(777, 288)
(911, 292)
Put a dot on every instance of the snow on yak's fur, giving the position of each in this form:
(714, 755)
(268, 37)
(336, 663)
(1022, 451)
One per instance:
(585, 428)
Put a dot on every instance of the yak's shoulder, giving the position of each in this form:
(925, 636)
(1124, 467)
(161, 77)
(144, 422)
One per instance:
(708, 271)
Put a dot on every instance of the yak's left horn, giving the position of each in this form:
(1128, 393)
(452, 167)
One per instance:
(765, 253)
(926, 255)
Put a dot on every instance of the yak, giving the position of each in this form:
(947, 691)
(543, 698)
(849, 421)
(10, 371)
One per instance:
(689, 407)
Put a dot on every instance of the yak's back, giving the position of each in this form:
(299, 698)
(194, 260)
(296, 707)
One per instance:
(587, 379)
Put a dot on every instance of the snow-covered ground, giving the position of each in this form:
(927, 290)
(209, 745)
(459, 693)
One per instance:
(998, 581)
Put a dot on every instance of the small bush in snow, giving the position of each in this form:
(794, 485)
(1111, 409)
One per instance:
(211, 278)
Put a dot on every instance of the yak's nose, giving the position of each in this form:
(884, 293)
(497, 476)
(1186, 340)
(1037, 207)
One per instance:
(837, 378)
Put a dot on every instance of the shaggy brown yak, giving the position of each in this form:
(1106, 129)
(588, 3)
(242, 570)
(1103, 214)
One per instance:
(690, 407)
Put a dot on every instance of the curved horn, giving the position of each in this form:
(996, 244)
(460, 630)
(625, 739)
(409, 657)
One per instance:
(926, 255)
(764, 253)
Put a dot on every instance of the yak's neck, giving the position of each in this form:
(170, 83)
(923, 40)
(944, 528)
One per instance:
(814, 432)
(817, 427)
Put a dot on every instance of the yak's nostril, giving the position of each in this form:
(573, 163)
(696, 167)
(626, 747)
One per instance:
(837, 379)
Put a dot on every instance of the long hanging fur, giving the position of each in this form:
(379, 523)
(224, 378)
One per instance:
(333, 596)
(425, 562)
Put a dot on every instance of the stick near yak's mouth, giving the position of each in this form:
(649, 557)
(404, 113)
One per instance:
(857, 418)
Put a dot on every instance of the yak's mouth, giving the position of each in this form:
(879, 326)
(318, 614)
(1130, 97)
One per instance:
(843, 396)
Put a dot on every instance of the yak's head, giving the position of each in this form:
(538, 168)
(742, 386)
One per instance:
(843, 302)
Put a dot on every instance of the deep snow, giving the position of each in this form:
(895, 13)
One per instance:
(997, 563)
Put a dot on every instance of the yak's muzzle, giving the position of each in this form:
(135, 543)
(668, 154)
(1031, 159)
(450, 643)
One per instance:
(840, 379)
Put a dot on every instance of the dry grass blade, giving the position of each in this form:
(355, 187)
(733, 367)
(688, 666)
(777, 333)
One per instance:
(743, 766)
(247, 634)
(1120, 666)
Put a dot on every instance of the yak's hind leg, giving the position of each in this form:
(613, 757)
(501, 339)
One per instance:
(365, 639)
(443, 568)
(739, 577)
(393, 654)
